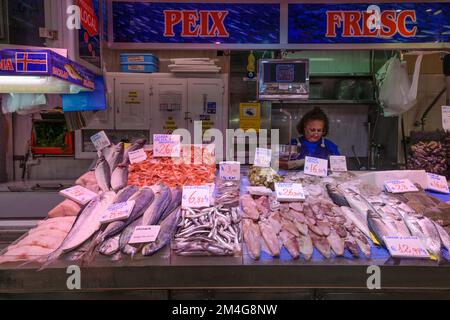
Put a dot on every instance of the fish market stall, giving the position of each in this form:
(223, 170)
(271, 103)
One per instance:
(138, 209)
(246, 243)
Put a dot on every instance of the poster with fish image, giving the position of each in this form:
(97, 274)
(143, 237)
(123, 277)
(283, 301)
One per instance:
(89, 41)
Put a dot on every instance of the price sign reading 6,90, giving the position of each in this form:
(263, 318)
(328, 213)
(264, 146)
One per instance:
(196, 197)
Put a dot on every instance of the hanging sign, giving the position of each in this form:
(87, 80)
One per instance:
(216, 23)
(89, 33)
(368, 23)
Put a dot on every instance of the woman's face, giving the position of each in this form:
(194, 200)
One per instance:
(314, 130)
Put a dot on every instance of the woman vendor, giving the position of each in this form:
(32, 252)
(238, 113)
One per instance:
(313, 128)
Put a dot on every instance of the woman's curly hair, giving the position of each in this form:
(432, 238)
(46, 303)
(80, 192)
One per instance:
(315, 114)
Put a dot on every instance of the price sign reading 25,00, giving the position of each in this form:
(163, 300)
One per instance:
(196, 196)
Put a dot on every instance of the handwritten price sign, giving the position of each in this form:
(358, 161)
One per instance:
(437, 183)
(100, 141)
(316, 167)
(338, 163)
(166, 145)
(400, 186)
(137, 156)
(263, 157)
(145, 234)
(230, 170)
(78, 194)
(119, 211)
(289, 191)
(406, 247)
(196, 197)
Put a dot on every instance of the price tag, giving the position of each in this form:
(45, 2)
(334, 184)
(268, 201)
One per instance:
(79, 194)
(230, 170)
(400, 186)
(196, 196)
(446, 118)
(316, 167)
(145, 234)
(437, 183)
(137, 156)
(289, 191)
(406, 247)
(166, 145)
(263, 157)
(118, 211)
(338, 163)
(100, 141)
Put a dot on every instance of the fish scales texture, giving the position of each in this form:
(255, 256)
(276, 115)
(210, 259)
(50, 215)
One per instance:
(103, 174)
(167, 232)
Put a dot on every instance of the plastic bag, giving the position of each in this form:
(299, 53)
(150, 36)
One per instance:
(396, 93)
(23, 103)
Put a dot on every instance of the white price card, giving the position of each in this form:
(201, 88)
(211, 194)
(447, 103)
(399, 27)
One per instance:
(406, 247)
(196, 196)
(400, 186)
(166, 145)
(289, 191)
(145, 234)
(78, 194)
(263, 157)
(118, 211)
(437, 183)
(137, 156)
(100, 141)
(316, 167)
(338, 163)
(446, 118)
(230, 170)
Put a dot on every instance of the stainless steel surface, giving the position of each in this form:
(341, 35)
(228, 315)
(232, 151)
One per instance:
(25, 205)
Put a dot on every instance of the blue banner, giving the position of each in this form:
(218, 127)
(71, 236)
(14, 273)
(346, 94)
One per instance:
(359, 23)
(89, 33)
(44, 63)
(146, 22)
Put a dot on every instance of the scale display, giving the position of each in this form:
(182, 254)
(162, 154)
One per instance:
(283, 79)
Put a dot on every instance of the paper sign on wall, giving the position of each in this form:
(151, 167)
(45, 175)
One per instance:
(446, 118)
(316, 167)
(250, 116)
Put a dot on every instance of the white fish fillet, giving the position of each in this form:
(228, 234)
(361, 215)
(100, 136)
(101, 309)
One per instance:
(65, 208)
(24, 254)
